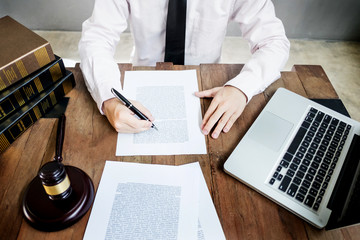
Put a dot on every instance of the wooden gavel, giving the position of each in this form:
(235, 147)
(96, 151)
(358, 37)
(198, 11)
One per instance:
(53, 175)
(62, 203)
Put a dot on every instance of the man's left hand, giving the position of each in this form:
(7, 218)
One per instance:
(227, 105)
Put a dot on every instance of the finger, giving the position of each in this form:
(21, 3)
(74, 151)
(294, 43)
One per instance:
(212, 120)
(140, 127)
(139, 124)
(132, 122)
(126, 122)
(220, 125)
(124, 128)
(144, 110)
(208, 93)
(209, 112)
(133, 128)
(230, 122)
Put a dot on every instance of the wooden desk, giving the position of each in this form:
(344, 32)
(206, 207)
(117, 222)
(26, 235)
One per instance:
(90, 140)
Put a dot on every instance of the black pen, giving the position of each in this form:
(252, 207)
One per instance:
(129, 105)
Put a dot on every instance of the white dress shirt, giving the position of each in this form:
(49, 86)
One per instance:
(206, 26)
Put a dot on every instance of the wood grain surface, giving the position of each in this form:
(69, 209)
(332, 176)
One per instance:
(90, 141)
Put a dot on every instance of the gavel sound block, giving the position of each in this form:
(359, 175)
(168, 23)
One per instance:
(59, 195)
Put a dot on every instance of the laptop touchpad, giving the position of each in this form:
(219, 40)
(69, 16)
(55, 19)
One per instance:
(271, 130)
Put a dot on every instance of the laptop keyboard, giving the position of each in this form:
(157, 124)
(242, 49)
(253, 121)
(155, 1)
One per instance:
(306, 168)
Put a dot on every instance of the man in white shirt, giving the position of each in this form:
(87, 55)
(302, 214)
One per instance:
(206, 24)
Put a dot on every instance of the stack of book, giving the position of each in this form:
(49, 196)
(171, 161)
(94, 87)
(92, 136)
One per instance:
(32, 79)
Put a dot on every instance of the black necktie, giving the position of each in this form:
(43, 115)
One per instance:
(175, 32)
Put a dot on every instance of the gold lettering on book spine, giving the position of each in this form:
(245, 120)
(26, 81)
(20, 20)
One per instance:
(21, 128)
(53, 98)
(55, 72)
(19, 98)
(7, 102)
(29, 91)
(38, 84)
(2, 112)
(2, 84)
(67, 85)
(42, 56)
(22, 69)
(45, 105)
(4, 143)
(37, 112)
(10, 75)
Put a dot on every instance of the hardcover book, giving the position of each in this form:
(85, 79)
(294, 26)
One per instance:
(27, 88)
(21, 120)
(22, 52)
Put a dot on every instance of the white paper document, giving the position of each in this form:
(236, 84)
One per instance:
(209, 224)
(169, 96)
(145, 201)
(148, 201)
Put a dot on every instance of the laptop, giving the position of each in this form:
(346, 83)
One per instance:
(305, 157)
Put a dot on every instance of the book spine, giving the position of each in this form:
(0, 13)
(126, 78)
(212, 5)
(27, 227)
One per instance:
(36, 111)
(26, 65)
(31, 89)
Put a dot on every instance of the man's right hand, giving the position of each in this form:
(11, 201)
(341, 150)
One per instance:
(123, 119)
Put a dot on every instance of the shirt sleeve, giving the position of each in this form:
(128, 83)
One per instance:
(268, 44)
(99, 38)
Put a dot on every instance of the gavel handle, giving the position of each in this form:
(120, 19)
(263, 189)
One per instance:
(60, 138)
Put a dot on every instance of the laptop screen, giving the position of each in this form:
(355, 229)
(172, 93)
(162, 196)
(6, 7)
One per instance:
(346, 195)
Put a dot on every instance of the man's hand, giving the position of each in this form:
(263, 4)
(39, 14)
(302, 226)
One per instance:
(123, 119)
(227, 105)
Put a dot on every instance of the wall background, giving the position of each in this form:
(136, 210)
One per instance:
(306, 19)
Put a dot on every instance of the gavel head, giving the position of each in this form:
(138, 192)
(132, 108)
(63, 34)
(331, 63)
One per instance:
(55, 180)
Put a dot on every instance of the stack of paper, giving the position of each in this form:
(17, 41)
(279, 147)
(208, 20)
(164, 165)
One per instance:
(148, 201)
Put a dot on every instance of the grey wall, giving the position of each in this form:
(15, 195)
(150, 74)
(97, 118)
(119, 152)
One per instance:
(320, 19)
(313, 19)
(48, 14)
